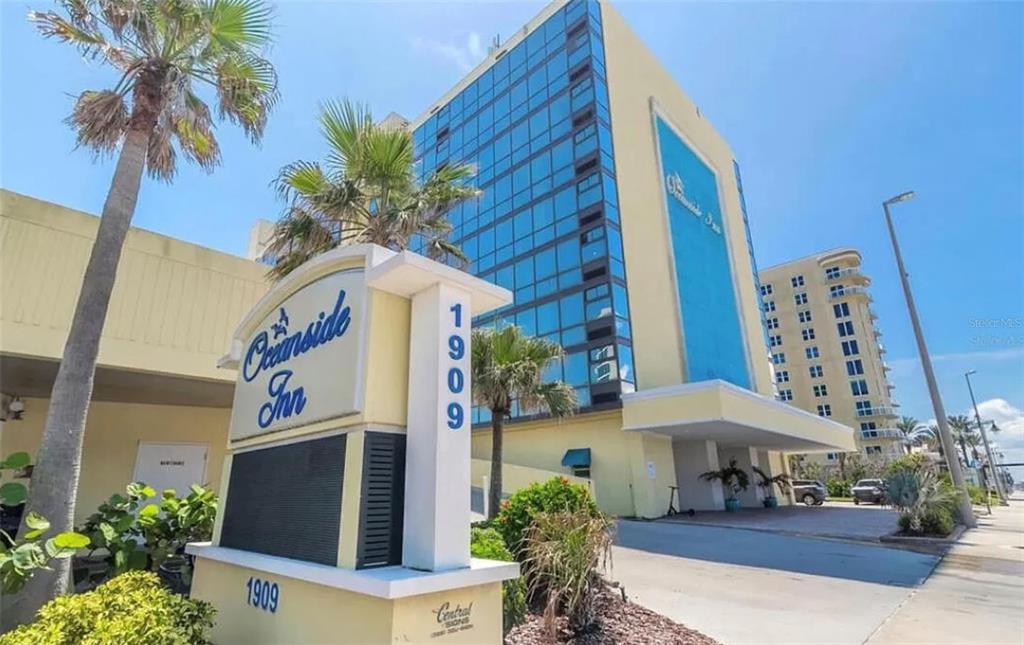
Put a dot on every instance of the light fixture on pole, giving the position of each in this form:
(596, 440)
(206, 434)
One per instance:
(984, 439)
(945, 436)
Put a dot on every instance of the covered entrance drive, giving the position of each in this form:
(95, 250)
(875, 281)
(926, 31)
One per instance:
(712, 422)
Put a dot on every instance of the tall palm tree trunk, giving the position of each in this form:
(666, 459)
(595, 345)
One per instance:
(54, 483)
(963, 449)
(494, 496)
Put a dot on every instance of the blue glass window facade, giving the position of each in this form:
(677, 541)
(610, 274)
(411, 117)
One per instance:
(546, 225)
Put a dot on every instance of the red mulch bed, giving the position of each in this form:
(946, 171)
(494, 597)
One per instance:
(619, 621)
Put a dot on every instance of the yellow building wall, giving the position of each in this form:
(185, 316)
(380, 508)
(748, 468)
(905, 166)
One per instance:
(634, 78)
(310, 614)
(113, 432)
(618, 459)
(174, 307)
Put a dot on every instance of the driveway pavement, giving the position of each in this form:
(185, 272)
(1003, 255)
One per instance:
(751, 586)
(848, 522)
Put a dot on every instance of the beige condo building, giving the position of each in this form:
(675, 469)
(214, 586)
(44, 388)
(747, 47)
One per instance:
(825, 347)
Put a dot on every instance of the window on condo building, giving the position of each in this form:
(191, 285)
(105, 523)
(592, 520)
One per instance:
(804, 316)
(766, 289)
(775, 341)
(873, 450)
(825, 410)
(859, 388)
(800, 298)
(812, 352)
(779, 358)
(854, 367)
(836, 290)
(797, 281)
(864, 408)
(850, 348)
(845, 328)
(815, 371)
(782, 376)
(841, 310)
(820, 390)
(785, 395)
(808, 333)
(771, 323)
(769, 305)
(831, 273)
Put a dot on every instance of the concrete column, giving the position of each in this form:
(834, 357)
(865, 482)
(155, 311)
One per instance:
(691, 459)
(437, 472)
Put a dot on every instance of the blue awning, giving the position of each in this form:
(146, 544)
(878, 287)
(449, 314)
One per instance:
(576, 457)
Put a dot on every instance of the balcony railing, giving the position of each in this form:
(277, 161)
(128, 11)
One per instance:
(878, 411)
(886, 366)
(882, 433)
(850, 292)
(848, 273)
(881, 349)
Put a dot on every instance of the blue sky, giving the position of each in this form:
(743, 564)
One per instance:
(829, 107)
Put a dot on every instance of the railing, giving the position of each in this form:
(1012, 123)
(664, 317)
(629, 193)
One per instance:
(878, 411)
(847, 273)
(848, 292)
(881, 348)
(882, 433)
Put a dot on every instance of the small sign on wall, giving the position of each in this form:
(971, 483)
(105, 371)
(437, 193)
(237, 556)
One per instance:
(651, 471)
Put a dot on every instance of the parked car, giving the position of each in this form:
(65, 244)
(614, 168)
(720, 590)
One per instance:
(809, 491)
(871, 491)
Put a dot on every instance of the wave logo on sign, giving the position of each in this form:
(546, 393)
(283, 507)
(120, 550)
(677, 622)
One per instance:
(674, 186)
(266, 352)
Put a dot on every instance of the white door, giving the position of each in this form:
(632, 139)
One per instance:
(171, 465)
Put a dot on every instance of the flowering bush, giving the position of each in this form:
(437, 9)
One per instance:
(557, 494)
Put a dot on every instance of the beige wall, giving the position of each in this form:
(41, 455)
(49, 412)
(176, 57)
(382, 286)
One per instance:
(618, 459)
(174, 305)
(112, 435)
(824, 323)
(635, 77)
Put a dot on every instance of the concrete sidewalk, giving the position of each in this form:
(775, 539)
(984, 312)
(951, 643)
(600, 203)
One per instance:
(975, 595)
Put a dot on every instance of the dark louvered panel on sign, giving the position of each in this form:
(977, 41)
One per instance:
(382, 502)
(286, 500)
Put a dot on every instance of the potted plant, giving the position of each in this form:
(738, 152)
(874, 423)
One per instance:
(734, 479)
(767, 484)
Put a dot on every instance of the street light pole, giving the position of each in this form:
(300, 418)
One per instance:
(948, 448)
(984, 439)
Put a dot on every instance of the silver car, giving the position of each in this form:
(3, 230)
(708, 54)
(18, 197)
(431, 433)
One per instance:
(871, 491)
(809, 491)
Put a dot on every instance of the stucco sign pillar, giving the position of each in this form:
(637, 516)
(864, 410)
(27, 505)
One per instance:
(345, 500)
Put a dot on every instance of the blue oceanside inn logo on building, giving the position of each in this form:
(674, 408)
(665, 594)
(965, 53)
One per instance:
(676, 189)
(266, 352)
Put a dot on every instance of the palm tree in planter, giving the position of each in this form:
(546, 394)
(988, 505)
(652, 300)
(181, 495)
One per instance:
(164, 54)
(365, 191)
(768, 483)
(734, 480)
(507, 367)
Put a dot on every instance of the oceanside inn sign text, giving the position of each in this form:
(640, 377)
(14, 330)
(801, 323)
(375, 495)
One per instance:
(303, 362)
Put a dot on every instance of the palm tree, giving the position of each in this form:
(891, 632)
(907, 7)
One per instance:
(960, 426)
(163, 52)
(365, 191)
(507, 368)
(911, 429)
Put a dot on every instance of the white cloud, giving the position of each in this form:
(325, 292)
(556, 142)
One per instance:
(1010, 440)
(464, 56)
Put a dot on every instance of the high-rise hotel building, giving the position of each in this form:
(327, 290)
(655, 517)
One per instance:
(825, 347)
(614, 212)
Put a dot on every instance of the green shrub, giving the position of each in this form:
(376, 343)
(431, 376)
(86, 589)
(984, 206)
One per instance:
(838, 488)
(915, 462)
(917, 495)
(937, 522)
(487, 543)
(565, 552)
(556, 494)
(131, 609)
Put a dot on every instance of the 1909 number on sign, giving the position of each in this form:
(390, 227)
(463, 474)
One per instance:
(262, 594)
(456, 379)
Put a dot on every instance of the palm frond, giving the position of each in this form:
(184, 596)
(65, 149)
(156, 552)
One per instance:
(100, 119)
